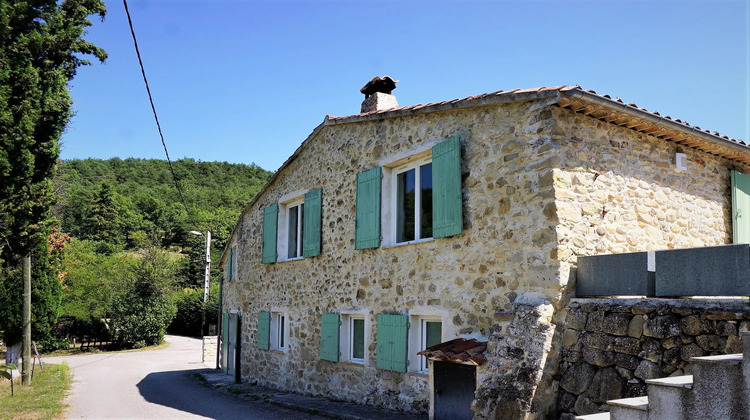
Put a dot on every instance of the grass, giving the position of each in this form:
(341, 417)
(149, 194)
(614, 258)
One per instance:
(43, 399)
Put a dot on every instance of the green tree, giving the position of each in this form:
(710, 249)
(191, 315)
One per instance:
(144, 307)
(46, 292)
(39, 45)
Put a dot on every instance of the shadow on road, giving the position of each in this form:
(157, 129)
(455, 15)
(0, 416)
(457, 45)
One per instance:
(181, 391)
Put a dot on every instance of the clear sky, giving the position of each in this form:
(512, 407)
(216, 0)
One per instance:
(248, 81)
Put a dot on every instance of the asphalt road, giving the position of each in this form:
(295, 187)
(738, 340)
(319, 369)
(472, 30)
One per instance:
(158, 384)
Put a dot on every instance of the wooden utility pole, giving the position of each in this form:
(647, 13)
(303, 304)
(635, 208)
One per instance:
(26, 367)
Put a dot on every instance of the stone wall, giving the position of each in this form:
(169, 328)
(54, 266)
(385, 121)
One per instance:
(609, 347)
(540, 186)
(210, 343)
(507, 248)
(618, 191)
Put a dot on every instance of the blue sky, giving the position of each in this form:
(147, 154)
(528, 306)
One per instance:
(247, 81)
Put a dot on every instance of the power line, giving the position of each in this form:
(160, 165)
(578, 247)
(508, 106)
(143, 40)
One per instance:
(156, 118)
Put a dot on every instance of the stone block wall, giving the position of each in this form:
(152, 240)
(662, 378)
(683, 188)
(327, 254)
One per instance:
(507, 248)
(618, 191)
(609, 347)
(210, 343)
(540, 186)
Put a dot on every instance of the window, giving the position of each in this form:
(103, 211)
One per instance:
(421, 197)
(353, 337)
(430, 333)
(356, 339)
(427, 329)
(292, 243)
(413, 201)
(292, 228)
(279, 331)
(344, 337)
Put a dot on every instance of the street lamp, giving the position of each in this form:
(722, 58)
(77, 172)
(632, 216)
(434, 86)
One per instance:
(208, 271)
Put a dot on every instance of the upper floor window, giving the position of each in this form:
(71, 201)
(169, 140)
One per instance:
(414, 196)
(292, 227)
(292, 231)
(413, 201)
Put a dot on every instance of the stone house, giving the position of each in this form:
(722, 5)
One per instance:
(399, 228)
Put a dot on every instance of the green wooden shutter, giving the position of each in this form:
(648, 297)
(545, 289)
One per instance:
(329, 337)
(446, 188)
(270, 224)
(311, 224)
(367, 220)
(740, 208)
(264, 330)
(393, 331)
(224, 341)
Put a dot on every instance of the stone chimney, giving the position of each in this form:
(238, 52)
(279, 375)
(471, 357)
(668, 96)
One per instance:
(378, 94)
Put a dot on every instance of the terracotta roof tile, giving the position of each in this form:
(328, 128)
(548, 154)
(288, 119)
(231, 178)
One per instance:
(458, 350)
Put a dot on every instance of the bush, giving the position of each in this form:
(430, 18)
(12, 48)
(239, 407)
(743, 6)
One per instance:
(142, 322)
(187, 320)
(190, 305)
(144, 307)
(48, 345)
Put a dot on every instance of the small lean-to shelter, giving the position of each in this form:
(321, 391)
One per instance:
(399, 228)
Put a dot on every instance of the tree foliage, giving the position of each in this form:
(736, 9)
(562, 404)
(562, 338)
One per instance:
(143, 307)
(39, 43)
(132, 203)
(46, 293)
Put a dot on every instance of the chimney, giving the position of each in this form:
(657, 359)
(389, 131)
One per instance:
(378, 94)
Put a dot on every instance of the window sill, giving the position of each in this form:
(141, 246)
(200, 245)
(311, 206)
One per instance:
(277, 351)
(353, 364)
(290, 260)
(420, 241)
(425, 374)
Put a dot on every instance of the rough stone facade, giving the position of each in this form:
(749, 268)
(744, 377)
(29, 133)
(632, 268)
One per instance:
(210, 343)
(610, 347)
(541, 185)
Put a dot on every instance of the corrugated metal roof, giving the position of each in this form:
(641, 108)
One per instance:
(458, 350)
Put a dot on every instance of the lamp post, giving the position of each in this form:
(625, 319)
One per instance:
(208, 272)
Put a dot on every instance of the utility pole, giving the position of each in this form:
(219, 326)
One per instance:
(26, 367)
(208, 267)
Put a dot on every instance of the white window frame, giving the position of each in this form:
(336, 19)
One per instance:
(417, 335)
(287, 202)
(392, 166)
(346, 336)
(279, 330)
(423, 363)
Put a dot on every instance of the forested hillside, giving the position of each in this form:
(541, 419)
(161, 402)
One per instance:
(131, 267)
(125, 204)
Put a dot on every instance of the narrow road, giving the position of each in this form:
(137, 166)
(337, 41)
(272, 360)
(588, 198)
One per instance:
(158, 384)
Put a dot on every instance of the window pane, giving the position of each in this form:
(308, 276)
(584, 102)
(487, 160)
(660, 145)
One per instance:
(425, 173)
(405, 206)
(281, 331)
(433, 333)
(358, 338)
(292, 233)
(300, 230)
